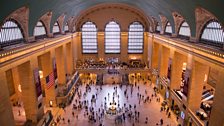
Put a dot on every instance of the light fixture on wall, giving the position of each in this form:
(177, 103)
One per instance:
(19, 88)
(133, 58)
(184, 66)
(205, 79)
(51, 103)
(41, 74)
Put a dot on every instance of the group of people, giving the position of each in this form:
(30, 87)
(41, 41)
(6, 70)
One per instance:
(96, 109)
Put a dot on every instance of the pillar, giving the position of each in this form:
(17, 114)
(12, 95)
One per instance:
(176, 72)
(46, 65)
(145, 49)
(69, 58)
(149, 50)
(6, 114)
(155, 55)
(196, 85)
(124, 47)
(217, 113)
(101, 47)
(61, 66)
(33, 108)
(75, 49)
(165, 54)
(10, 82)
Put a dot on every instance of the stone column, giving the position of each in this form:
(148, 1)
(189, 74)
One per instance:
(75, 49)
(145, 48)
(69, 58)
(177, 65)
(61, 66)
(165, 54)
(29, 95)
(6, 114)
(149, 50)
(197, 82)
(46, 65)
(16, 81)
(124, 46)
(101, 47)
(217, 114)
(155, 55)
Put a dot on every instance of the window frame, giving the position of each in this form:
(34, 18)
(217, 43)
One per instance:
(56, 33)
(183, 36)
(66, 24)
(40, 36)
(210, 42)
(157, 25)
(15, 41)
(167, 33)
(112, 31)
(143, 38)
(96, 38)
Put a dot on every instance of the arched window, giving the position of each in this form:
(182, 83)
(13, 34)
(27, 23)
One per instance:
(89, 38)
(184, 30)
(56, 29)
(10, 33)
(135, 38)
(213, 34)
(168, 28)
(158, 28)
(66, 27)
(112, 37)
(40, 30)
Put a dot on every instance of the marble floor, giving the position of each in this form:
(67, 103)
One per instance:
(148, 109)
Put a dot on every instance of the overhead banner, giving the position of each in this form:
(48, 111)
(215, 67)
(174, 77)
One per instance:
(37, 84)
(55, 69)
(169, 68)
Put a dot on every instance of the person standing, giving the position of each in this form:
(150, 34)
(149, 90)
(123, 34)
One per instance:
(161, 121)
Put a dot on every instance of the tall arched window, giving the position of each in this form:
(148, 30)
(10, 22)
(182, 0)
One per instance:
(135, 38)
(40, 30)
(56, 29)
(213, 34)
(89, 38)
(66, 27)
(10, 33)
(168, 28)
(112, 37)
(184, 30)
(158, 28)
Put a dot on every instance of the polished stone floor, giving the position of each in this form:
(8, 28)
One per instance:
(149, 109)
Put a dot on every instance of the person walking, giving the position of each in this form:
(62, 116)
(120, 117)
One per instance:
(161, 121)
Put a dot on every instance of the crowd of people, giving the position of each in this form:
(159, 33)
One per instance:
(92, 64)
(97, 109)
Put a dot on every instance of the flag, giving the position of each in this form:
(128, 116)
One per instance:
(50, 80)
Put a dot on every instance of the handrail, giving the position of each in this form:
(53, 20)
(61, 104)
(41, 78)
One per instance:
(195, 118)
(70, 81)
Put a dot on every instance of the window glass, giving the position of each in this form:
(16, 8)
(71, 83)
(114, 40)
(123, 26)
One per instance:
(135, 38)
(213, 34)
(89, 38)
(185, 30)
(56, 28)
(168, 28)
(158, 28)
(39, 29)
(66, 27)
(10, 34)
(112, 38)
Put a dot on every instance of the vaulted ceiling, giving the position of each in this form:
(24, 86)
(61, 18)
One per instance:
(151, 8)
